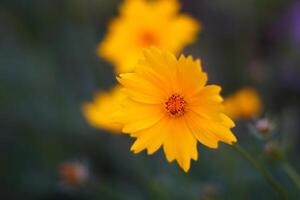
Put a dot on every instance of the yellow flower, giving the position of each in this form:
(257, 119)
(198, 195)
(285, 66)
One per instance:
(168, 103)
(245, 103)
(143, 24)
(98, 113)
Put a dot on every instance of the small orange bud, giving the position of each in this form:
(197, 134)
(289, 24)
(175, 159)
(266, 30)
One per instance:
(263, 125)
(73, 173)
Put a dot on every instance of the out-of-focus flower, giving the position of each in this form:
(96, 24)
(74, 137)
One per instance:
(73, 173)
(98, 113)
(264, 126)
(170, 104)
(245, 103)
(143, 24)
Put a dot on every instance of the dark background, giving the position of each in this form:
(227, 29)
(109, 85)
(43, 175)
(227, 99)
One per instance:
(48, 68)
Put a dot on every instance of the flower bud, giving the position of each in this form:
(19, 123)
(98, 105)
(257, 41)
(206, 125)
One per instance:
(264, 126)
(73, 173)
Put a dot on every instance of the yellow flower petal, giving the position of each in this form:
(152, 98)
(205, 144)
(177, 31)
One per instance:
(209, 140)
(151, 138)
(99, 112)
(180, 145)
(227, 121)
(180, 27)
(164, 7)
(211, 130)
(136, 116)
(140, 89)
(209, 94)
(245, 103)
(190, 75)
(221, 132)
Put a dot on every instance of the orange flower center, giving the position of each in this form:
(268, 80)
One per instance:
(175, 105)
(148, 39)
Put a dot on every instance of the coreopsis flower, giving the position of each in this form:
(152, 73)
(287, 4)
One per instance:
(245, 103)
(169, 104)
(98, 113)
(142, 24)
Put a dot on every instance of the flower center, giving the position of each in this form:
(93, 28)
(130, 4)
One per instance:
(148, 39)
(175, 105)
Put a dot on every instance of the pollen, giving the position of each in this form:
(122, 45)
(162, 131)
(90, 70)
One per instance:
(175, 105)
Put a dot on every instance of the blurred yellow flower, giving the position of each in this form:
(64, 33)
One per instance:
(98, 113)
(245, 103)
(142, 24)
(170, 104)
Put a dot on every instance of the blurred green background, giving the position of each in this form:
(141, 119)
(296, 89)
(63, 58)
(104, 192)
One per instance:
(49, 67)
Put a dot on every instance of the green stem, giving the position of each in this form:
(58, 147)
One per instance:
(269, 178)
(292, 173)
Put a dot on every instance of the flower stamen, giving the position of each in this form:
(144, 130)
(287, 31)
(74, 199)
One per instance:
(175, 105)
